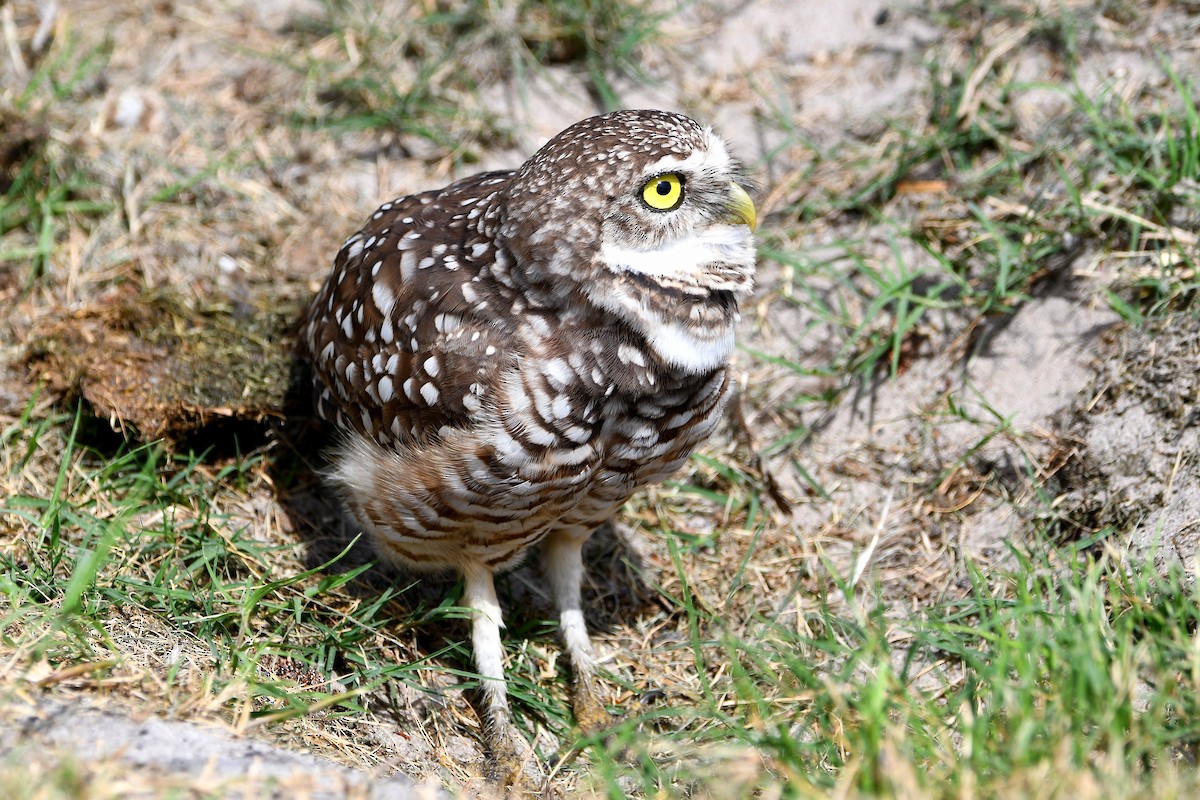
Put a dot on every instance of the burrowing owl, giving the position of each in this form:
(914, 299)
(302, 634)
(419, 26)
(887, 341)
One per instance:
(511, 357)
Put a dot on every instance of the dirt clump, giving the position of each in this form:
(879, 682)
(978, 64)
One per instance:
(150, 362)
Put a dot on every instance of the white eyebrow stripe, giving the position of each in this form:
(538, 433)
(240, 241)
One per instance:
(714, 155)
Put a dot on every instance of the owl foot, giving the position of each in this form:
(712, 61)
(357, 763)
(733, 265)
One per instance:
(591, 717)
(590, 714)
(513, 768)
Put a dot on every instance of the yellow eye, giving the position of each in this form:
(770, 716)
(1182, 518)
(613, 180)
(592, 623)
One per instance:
(664, 192)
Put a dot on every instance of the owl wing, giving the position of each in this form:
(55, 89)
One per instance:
(403, 338)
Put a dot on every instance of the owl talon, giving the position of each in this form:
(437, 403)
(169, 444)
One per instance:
(590, 714)
(506, 768)
(513, 769)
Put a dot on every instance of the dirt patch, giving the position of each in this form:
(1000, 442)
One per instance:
(1138, 434)
(944, 449)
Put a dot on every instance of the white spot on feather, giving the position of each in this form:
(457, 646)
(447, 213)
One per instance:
(561, 407)
(558, 372)
(384, 297)
(630, 355)
(408, 265)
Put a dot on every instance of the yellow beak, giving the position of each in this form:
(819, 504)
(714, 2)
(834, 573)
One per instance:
(741, 208)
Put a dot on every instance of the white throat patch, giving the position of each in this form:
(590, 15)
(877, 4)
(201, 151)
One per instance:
(675, 345)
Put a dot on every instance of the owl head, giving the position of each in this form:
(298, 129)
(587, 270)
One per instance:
(642, 214)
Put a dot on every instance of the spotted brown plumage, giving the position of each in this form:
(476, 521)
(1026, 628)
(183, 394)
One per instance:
(511, 357)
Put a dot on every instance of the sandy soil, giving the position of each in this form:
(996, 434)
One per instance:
(1071, 382)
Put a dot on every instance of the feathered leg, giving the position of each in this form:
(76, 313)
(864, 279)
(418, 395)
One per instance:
(563, 554)
(507, 748)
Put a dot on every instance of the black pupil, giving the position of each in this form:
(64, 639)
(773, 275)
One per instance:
(663, 188)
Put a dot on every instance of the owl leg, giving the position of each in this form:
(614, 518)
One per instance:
(508, 754)
(563, 554)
